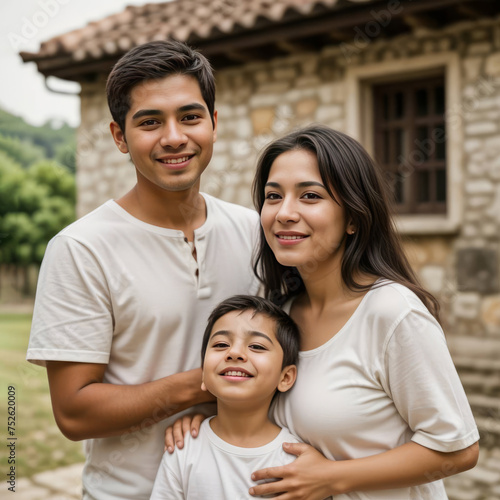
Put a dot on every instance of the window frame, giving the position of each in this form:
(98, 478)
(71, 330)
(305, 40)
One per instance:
(419, 161)
(360, 81)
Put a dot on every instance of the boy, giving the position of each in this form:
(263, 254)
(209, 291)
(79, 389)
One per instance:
(249, 351)
(124, 292)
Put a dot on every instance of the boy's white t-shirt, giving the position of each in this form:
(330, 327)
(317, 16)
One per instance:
(385, 379)
(208, 468)
(115, 290)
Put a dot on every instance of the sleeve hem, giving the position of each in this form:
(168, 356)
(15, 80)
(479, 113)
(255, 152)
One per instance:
(446, 446)
(41, 356)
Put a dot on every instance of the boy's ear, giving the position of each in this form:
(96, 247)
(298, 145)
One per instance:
(203, 387)
(118, 137)
(287, 379)
(215, 126)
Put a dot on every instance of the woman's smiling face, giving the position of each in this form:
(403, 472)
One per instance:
(303, 225)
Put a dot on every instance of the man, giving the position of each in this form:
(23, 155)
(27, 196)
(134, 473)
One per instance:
(124, 293)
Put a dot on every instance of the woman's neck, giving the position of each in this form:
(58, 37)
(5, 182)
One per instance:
(327, 287)
(323, 285)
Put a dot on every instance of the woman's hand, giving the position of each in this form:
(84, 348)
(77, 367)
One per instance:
(313, 477)
(309, 477)
(174, 434)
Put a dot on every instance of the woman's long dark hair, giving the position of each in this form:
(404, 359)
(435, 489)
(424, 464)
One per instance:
(375, 248)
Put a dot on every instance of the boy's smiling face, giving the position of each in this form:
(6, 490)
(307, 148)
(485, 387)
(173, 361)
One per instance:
(243, 360)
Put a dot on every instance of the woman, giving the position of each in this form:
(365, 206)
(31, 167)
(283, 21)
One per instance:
(377, 397)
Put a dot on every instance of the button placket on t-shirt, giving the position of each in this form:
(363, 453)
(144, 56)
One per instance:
(191, 262)
(204, 288)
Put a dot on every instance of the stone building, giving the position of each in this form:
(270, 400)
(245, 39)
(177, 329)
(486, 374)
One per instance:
(417, 82)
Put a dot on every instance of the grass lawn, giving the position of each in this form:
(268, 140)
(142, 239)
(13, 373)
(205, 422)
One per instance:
(40, 445)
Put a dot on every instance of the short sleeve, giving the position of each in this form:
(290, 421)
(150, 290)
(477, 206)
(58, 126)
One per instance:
(424, 385)
(72, 318)
(167, 486)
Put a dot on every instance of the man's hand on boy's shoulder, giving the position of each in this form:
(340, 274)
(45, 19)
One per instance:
(174, 434)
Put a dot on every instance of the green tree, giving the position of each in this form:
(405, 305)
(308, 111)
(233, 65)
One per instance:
(22, 237)
(11, 179)
(13, 224)
(66, 155)
(54, 214)
(35, 204)
(57, 208)
(56, 178)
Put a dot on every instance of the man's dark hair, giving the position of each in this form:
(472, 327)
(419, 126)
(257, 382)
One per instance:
(152, 61)
(286, 330)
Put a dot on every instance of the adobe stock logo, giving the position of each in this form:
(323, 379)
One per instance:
(371, 30)
(31, 25)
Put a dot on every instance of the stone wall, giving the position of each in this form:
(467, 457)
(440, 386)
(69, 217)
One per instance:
(103, 172)
(261, 101)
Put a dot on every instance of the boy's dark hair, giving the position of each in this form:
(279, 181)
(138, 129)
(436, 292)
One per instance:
(152, 61)
(286, 330)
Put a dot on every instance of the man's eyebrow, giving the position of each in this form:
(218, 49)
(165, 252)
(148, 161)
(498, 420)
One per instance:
(250, 333)
(304, 184)
(194, 106)
(147, 112)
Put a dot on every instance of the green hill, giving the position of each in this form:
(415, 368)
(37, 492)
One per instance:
(26, 143)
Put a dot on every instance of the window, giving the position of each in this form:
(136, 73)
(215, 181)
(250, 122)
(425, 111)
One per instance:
(441, 206)
(410, 143)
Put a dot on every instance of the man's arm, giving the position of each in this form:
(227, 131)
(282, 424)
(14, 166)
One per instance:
(85, 407)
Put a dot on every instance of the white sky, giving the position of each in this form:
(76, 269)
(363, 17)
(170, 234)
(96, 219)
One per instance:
(24, 24)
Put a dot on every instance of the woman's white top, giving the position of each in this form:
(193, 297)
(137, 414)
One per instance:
(386, 378)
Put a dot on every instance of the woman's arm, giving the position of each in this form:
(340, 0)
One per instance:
(421, 380)
(313, 477)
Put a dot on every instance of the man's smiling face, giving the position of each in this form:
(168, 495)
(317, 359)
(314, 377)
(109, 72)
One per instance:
(169, 133)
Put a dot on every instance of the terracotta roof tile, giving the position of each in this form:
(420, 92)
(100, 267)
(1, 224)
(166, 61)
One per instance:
(180, 19)
(186, 20)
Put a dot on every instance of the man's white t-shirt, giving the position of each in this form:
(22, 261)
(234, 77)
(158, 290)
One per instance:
(385, 379)
(115, 290)
(209, 468)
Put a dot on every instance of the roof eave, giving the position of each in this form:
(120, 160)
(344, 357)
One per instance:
(68, 68)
